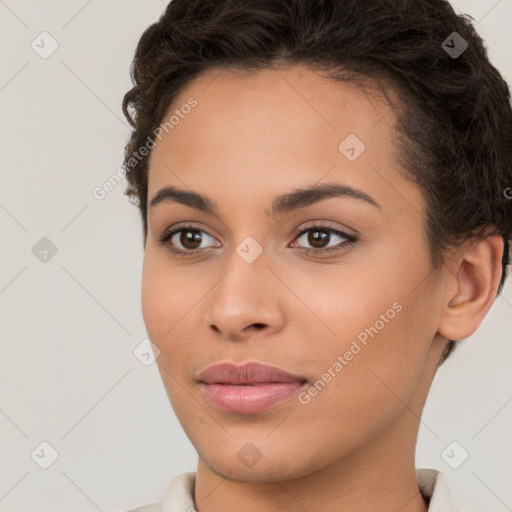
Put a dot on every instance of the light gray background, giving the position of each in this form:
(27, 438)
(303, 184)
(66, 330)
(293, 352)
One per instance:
(68, 375)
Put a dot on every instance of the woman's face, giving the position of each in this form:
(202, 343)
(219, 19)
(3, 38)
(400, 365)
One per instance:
(361, 318)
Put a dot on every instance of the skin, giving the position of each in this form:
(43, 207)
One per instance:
(250, 138)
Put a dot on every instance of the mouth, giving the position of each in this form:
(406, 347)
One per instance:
(248, 388)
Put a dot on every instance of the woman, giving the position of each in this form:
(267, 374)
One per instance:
(323, 192)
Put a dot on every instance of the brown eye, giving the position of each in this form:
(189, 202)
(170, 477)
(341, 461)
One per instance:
(318, 237)
(189, 238)
(185, 240)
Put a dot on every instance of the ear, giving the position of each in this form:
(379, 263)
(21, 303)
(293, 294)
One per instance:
(472, 283)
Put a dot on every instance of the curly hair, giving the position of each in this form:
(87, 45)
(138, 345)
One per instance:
(454, 120)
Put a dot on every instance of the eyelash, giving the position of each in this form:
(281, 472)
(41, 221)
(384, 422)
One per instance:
(350, 240)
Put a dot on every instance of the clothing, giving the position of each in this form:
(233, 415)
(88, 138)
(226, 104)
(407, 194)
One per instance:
(180, 493)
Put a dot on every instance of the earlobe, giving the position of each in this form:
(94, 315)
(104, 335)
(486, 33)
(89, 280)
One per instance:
(475, 279)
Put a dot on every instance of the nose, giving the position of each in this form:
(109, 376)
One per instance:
(245, 301)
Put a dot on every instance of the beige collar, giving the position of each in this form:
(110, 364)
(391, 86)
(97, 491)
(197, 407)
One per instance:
(180, 493)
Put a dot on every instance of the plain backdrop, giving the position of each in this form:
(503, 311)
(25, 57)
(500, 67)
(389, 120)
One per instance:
(70, 286)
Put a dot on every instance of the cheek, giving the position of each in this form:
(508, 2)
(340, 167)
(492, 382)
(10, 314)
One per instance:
(165, 302)
(169, 302)
(162, 297)
(379, 327)
(368, 388)
(152, 297)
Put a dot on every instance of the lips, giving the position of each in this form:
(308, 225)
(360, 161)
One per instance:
(247, 374)
(249, 388)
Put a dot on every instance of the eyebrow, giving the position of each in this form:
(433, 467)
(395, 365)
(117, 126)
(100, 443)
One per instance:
(284, 203)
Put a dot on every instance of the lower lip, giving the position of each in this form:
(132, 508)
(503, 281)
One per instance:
(249, 399)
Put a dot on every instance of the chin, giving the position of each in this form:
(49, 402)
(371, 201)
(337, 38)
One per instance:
(267, 469)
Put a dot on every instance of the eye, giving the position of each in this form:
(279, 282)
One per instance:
(189, 237)
(186, 240)
(319, 236)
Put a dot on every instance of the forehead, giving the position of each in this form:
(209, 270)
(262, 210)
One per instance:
(274, 129)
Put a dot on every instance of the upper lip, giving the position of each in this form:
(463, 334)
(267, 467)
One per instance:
(247, 373)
